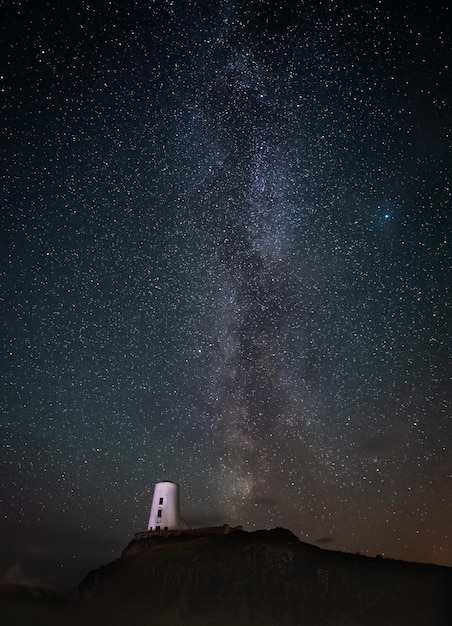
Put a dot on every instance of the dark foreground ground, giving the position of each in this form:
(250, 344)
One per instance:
(241, 579)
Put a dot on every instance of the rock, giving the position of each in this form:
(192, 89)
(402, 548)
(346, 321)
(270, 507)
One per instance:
(263, 578)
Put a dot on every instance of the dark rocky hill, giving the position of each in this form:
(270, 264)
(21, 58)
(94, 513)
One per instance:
(264, 578)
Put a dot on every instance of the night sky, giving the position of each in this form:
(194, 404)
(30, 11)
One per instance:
(224, 262)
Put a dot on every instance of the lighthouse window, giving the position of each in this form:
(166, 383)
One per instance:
(159, 513)
(161, 501)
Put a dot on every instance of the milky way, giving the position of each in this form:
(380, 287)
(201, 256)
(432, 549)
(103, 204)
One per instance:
(225, 263)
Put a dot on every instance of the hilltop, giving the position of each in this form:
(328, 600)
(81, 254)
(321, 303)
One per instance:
(265, 578)
(238, 578)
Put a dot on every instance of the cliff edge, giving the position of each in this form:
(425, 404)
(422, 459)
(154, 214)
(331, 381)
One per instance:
(262, 578)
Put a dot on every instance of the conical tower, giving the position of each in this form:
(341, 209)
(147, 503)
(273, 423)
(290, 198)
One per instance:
(165, 508)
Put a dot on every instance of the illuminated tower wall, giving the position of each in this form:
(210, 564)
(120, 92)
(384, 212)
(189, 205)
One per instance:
(165, 508)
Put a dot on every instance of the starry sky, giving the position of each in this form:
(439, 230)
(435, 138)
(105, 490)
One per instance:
(224, 262)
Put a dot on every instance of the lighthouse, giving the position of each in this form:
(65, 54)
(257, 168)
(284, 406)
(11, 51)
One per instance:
(165, 508)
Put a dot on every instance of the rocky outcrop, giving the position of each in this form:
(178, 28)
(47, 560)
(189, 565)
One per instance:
(263, 578)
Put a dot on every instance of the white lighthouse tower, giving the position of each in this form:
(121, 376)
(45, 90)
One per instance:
(165, 508)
